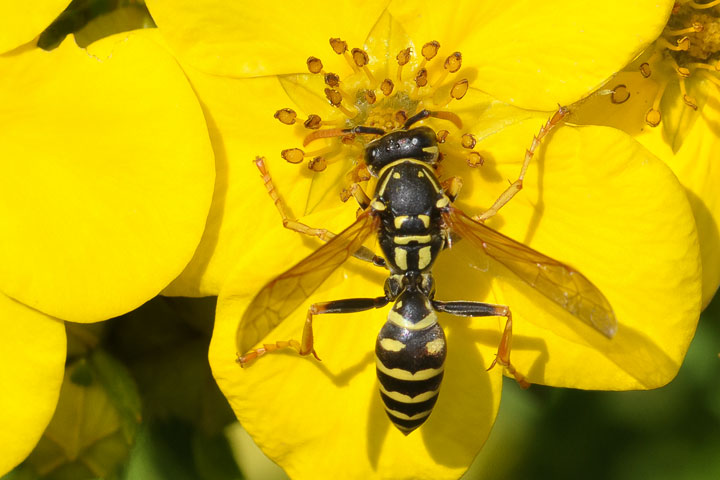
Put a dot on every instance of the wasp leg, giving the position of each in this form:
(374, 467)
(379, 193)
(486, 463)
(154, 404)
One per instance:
(363, 253)
(306, 345)
(452, 187)
(517, 185)
(479, 309)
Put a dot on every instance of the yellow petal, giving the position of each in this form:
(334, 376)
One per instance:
(32, 352)
(19, 26)
(241, 126)
(107, 176)
(317, 419)
(599, 202)
(241, 40)
(538, 54)
(694, 162)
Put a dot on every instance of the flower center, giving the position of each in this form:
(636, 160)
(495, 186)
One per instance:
(689, 48)
(378, 97)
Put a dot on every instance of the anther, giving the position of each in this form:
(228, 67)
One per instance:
(370, 96)
(683, 72)
(459, 90)
(286, 116)
(421, 79)
(313, 122)
(293, 155)
(332, 79)
(453, 62)
(429, 50)
(474, 159)
(620, 94)
(314, 64)
(645, 70)
(338, 46)
(333, 96)
(317, 164)
(468, 141)
(401, 117)
(441, 136)
(404, 56)
(360, 57)
(652, 117)
(387, 87)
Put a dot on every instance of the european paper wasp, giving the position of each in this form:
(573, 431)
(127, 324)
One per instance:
(413, 216)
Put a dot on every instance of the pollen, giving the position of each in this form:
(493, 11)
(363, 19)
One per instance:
(686, 53)
(378, 92)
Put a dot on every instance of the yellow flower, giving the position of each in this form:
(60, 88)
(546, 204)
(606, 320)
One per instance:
(107, 180)
(592, 198)
(668, 99)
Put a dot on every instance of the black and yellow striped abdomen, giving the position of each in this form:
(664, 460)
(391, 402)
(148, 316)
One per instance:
(410, 356)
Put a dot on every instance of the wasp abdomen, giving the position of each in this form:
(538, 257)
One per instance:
(410, 356)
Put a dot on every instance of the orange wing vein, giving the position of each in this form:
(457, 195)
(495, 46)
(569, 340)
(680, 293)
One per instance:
(560, 283)
(289, 290)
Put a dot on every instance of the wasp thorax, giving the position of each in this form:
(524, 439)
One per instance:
(368, 103)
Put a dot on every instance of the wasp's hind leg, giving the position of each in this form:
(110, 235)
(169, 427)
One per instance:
(363, 253)
(479, 309)
(517, 185)
(306, 345)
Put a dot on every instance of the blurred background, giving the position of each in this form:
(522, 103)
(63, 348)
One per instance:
(139, 401)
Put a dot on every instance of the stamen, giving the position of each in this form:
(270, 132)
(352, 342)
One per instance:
(453, 62)
(421, 78)
(293, 155)
(387, 87)
(696, 27)
(286, 116)
(653, 116)
(361, 59)
(318, 134)
(468, 141)
(333, 96)
(370, 96)
(645, 70)
(682, 44)
(332, 80)
(441, 136)
(705, 66)
(620, 94)
(317, 164)
(401, 117)
(402, 58)
(429, 50)
(703, 6)
(340, 47)
(474, 159)
(313, 122)
(314, 64)
(459, 90)
(689, 101)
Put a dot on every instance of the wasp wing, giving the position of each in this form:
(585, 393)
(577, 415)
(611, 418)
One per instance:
(560, 283)
(288, 291)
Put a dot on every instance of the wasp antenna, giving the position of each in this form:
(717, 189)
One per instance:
(423, 114)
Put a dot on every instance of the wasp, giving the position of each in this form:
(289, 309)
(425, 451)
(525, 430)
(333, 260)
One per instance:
(413, 216)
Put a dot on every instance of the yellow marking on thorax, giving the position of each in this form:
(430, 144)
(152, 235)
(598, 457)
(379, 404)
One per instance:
(378, 205)
(429, 320)
(401, 397)
(396, 175)
(424, 257)
(400, 257)
(400, 374)
(391, 345)
(425, 219)
(400, 219)
(406, 239)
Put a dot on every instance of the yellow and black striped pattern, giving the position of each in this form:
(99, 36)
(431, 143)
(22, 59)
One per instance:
(410, 356)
